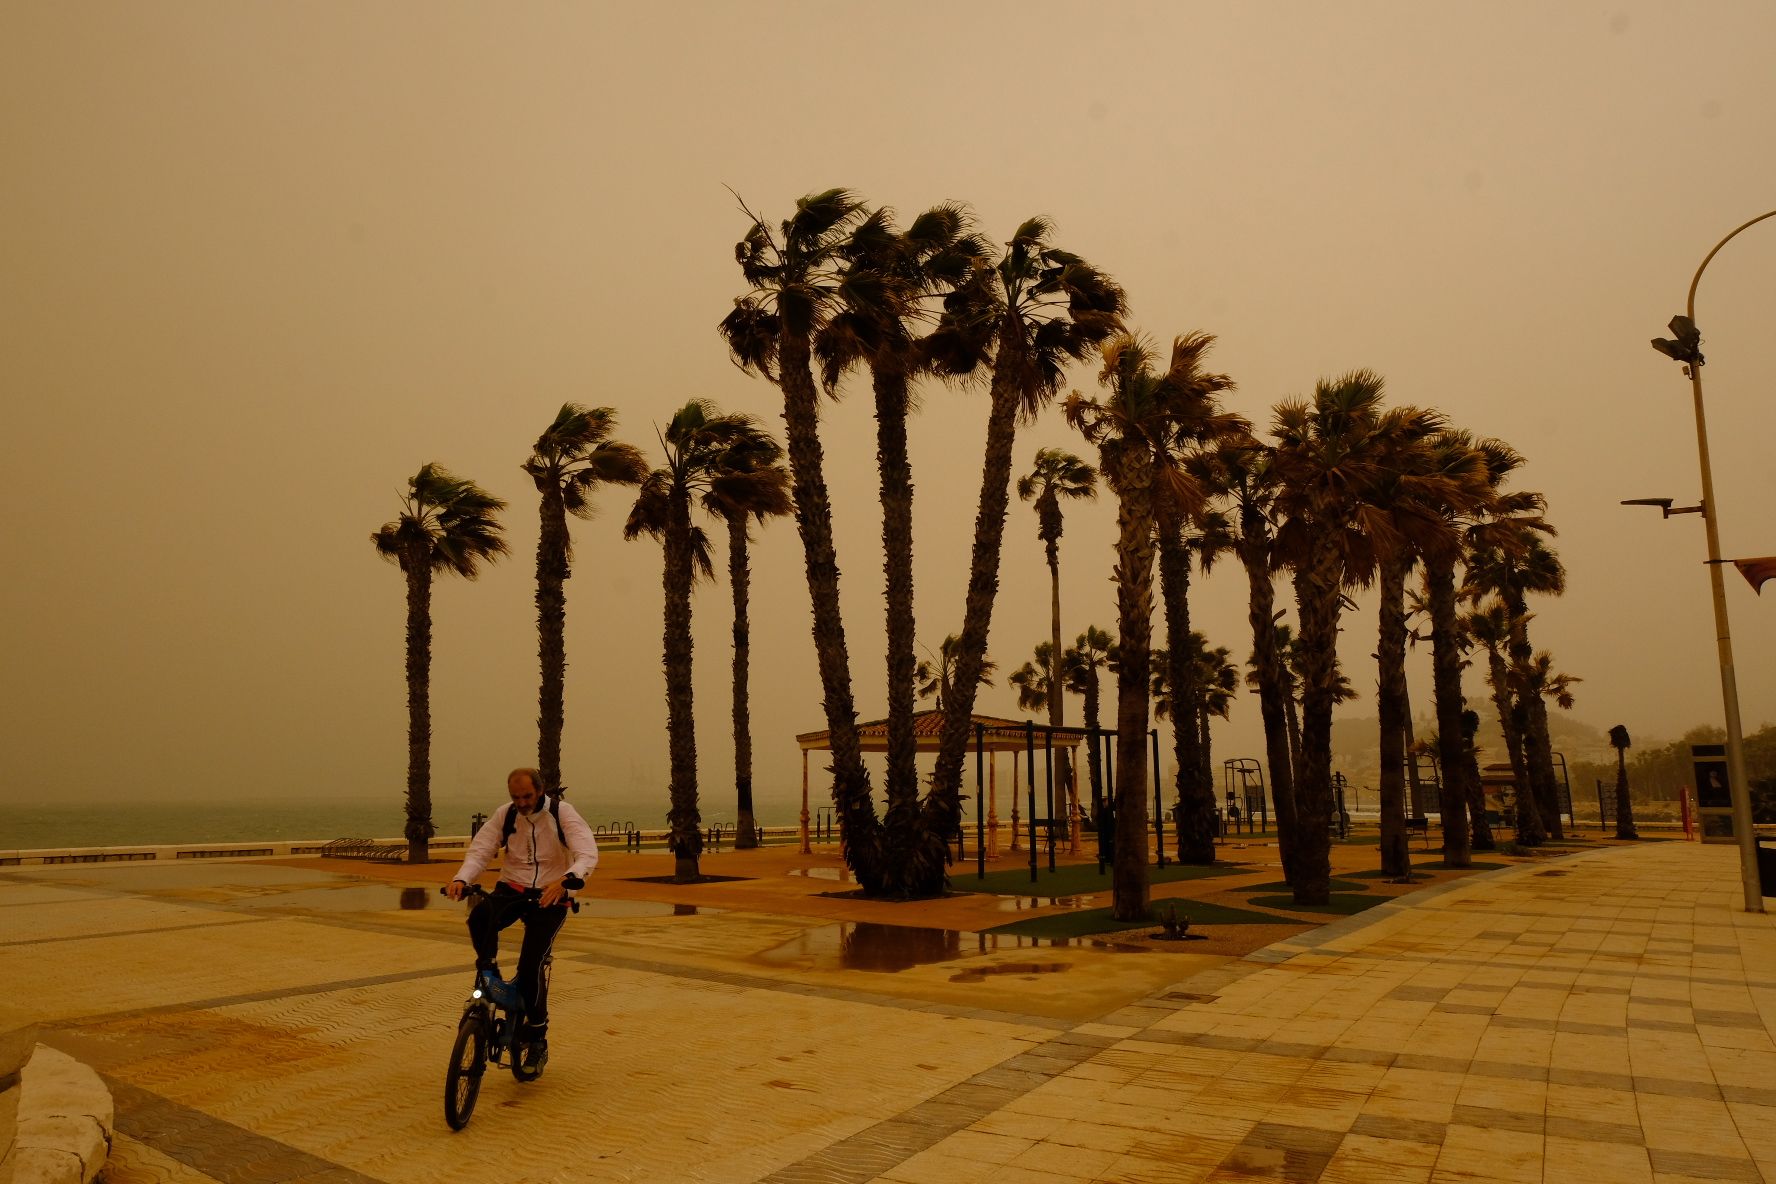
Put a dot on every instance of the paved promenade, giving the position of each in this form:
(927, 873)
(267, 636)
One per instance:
(1602, 1017)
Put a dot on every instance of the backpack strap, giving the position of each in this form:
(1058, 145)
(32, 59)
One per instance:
(510, 825)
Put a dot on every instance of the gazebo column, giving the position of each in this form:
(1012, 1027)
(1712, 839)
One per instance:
(806, 849)
(1014, 799)
(992, 805)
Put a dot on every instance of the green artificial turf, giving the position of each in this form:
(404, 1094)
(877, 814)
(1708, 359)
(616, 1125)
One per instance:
(1088, 921)
(1072, 879)
(1341, 904)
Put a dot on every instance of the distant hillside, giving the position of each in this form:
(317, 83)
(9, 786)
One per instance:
(1356, 755)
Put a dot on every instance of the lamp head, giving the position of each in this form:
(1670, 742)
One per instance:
(1685, 343)
(1664, 503)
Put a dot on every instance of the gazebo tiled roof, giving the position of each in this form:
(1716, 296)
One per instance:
(1002, 735)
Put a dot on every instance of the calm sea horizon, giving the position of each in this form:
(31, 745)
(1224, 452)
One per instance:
(122, 824)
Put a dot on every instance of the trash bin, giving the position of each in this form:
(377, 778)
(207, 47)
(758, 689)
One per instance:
(1766, 868)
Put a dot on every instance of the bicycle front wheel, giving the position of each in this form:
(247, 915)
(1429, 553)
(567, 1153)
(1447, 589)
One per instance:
(462, 1081)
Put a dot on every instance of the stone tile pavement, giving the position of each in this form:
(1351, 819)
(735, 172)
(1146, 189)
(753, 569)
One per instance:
(1603, 1017)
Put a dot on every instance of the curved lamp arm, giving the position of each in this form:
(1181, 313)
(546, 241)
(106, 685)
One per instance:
(1690, 306)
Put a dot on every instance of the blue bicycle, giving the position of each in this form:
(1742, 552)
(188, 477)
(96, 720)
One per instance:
(488, 1032)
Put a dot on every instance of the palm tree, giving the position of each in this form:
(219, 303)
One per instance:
(1031, 312)
(700, 445)
(1434, 476)
(1195, 424)
(797, 276)
(570, 460)
(1214, 678)
(1239, 469)
(1056, 474)
(1516, 562)
(1618, 738)
(752, 484)
(447, 524)
(1329, 452)
(1131, 430)
(891, 277)
(936, 676)
(1489, 625)
(1538, 679)
(1090, 652)
(1034, 679)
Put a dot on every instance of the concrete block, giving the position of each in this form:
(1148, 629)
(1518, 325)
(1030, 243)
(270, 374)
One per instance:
(65, 1120)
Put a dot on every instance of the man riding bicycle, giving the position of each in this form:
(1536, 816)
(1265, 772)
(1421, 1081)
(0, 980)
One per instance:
(549, 850)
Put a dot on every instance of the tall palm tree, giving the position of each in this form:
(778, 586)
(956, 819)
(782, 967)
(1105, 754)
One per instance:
(1131, 429)
(1328, 453)
(797, 276)
(1030, 312)
(936, 676)
(1618, 738)
(1434, 477)
(1056, 474)
(751, 484)
(1489, 625)
(1195, 424)
(1538, 679)
(570, 460)
(1239, 470)
(699, 443)
(1090, 652)
(892, 278)
(447, 524)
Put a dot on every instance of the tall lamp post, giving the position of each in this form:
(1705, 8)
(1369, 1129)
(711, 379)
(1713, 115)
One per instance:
(1687, 350)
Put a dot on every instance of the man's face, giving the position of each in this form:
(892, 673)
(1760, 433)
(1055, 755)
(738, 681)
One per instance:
(524, 793)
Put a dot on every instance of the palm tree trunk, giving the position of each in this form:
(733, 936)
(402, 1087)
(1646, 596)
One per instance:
(740, 580)
(685, 836)
(1391, 708)
(1317, 598)
(419, 705)
(943, 805)
(1483, 840)
(1273, 704)
(1292, 709)
(895, 473)
(1093, 693)
(1528, 818)
(1531, 716)
(1134, 608)
(1057, 693)
(1624, 807)
(860, 839)
(1446, 683)
(1196, 798)
(551, 606)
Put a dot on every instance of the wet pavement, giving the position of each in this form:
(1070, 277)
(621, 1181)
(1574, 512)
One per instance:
(278, 1020)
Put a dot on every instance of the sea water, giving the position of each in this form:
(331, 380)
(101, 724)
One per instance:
(76, 823)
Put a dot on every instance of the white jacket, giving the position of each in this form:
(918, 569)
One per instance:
(534, 855)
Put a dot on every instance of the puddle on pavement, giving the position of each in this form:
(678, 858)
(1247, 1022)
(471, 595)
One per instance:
(841, 875)
(1021, 904)
(978, 974)
(870, 945)
(377, 898)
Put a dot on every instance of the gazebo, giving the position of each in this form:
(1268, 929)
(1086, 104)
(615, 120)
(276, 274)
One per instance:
(992, 735)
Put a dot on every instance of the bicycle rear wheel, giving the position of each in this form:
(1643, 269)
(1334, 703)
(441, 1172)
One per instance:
(462, 1081)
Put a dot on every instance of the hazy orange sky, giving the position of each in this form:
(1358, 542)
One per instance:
(263, 261)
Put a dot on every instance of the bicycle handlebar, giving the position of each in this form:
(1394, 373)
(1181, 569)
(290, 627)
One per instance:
(472, 890)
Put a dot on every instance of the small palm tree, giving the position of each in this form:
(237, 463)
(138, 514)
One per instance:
(570, 460)
(1033, 680)
(1489, 626)
(1618, 738)
(1090, 652)
(752, 485)
(701, 445)
(447, 524)
(936, 675)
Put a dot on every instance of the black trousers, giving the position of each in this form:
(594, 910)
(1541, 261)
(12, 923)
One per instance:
(499, 910)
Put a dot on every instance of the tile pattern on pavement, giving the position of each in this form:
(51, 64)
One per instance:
(1611, 1021)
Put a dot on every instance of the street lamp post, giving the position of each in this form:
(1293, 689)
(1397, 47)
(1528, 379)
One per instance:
(1687, 349)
